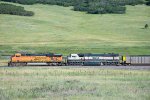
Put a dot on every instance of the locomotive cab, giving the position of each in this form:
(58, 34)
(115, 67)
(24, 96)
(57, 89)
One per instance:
(17, 55)
(75, 59)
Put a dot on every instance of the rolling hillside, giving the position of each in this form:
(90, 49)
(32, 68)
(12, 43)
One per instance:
(62, 30)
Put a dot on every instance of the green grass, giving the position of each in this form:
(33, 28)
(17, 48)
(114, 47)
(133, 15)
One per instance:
(43, 83)
(62, 30)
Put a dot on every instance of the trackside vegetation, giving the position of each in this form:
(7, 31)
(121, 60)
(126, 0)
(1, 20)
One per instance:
(43, 83)
(89, 6)
(14, 10)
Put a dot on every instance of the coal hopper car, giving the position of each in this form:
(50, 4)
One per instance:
(137, 60)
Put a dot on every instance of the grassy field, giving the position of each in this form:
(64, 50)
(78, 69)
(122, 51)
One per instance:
(43, 83)
(62, 30)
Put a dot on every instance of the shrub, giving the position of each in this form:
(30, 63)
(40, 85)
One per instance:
(14, 10)
(148, 2)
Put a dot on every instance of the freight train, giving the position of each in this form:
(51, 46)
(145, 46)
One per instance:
(87, 59)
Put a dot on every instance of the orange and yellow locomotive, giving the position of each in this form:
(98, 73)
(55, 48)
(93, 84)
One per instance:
(23, 59)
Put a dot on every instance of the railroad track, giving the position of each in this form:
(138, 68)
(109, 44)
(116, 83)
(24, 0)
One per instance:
(99, 67)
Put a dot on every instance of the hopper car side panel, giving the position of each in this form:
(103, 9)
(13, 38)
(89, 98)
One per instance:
(138, 60)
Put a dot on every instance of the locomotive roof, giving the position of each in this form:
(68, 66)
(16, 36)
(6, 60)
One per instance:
(49, 54)
(108, 55)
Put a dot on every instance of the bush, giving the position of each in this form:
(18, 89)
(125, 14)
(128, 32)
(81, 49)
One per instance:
(14, 10)
(100, 6)
(148, 2)
(22, 1)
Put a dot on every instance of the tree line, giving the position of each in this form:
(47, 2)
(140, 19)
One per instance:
(89, 6)
(52, 2)
(14, 10)
(148, 2)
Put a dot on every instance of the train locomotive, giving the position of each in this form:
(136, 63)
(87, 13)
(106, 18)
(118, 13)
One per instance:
(93, 59)
(81, 59)
(23, 59)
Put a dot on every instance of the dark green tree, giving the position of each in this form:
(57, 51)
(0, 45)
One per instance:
(146, 26)
(148, 2)
(14, 10)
